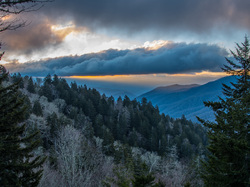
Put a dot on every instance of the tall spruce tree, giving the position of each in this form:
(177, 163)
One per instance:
(229, 143)
(31, 87)
(18, 165)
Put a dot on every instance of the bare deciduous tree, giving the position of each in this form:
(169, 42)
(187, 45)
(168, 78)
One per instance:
(10, 8)
(173, 171)
(80, 162)
(51, 177)
(70, 157)
(152, 160)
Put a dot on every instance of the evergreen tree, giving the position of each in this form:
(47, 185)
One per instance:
(121, 179)
(55, 80)
(143, 180)
(146, 180)
(31, 87)
(228, 161)
(46, 89)
(18, 78)
(37, 109)
(18, 166)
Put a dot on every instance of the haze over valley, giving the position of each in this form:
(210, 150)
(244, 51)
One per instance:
(124, 93)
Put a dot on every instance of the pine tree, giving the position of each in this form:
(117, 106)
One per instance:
(37, 109)
(31, 87)
(46, 89)
(229, 143)
(18, 166)
(18, 78)
(143, 180)
(147, 180)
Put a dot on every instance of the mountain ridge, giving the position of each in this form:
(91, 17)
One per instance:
(189, 100)
(175, 88)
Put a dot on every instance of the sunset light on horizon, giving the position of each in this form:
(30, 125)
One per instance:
(160, 43)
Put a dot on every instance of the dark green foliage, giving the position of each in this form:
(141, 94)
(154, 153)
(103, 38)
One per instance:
(122, 178)
(55, 81)
(54, 124)
(229, 137)
(31, 87)
(159, 184)
(143, 180)
(187, 184)
(37, 109)
(131, 122)
(108, 141)
(123, 155)
(146, 180)
(123, 122)
(46, 88)
(18, 78)
(18, 165)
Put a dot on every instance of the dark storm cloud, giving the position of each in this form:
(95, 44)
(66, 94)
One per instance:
(172, 59)
(34, 36)
(37, 35)
(199, 16)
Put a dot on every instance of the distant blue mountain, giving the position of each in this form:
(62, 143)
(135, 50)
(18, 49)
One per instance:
(114, 89)
(176, 100)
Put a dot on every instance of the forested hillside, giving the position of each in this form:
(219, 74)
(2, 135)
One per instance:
(177, 100)
(59, 132)
(105, 141)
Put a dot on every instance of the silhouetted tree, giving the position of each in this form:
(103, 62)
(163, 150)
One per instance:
(31, 87)
(229, 136)
(37, 109)
(18, 165)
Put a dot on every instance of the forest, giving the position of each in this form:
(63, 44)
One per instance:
(119, 139)
(57, 134)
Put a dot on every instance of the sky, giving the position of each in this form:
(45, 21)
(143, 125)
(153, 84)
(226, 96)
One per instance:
(139, 42)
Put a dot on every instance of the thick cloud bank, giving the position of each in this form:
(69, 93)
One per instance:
(194, 20)
(199, 16)
(171, 59)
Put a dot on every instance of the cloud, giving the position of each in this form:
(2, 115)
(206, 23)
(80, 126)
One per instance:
(36, 35)
(197, 16)
(173, 58)
(39, 34)
(182, 19)
(46, 38)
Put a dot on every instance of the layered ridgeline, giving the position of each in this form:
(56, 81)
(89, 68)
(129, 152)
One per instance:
(178, 100)
(128, 133)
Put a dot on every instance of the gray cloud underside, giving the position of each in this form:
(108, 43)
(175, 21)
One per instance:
(35, 36)
(131, 16)
(192, 15)
(171, 59)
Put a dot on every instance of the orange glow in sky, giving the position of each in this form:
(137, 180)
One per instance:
(155, 79)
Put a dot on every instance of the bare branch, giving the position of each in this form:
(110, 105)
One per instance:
(15, 7)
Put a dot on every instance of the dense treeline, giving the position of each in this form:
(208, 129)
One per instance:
(19, 166)
(93, 140)
(138, 124)
(141, 142)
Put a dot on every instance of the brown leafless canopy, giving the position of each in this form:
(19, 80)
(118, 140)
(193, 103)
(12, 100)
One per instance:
(12, 8)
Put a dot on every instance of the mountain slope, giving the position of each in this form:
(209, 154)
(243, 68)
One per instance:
(176, 100)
